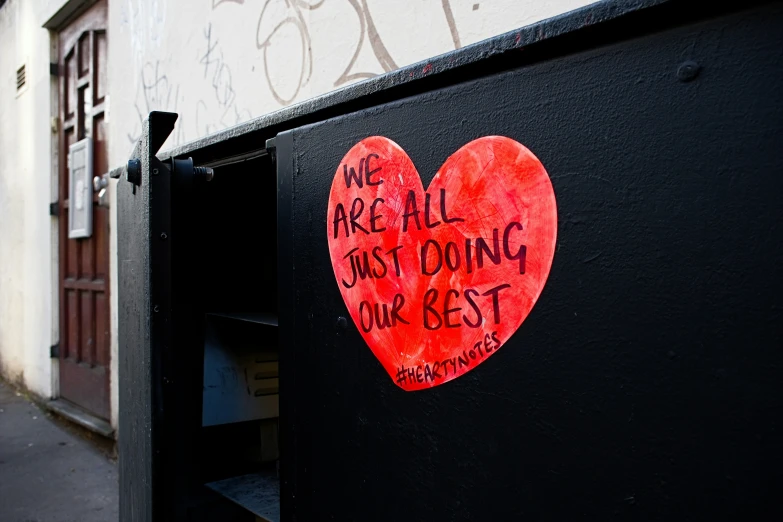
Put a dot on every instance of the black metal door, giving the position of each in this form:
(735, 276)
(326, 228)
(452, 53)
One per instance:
(160, 362)
(645, 382)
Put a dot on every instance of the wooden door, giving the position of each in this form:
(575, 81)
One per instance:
(84, 263)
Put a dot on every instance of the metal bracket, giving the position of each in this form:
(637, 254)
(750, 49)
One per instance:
(54, 351)
(54, 209)
(158, 126)
(271, 149)
(183, 171)
(133, 174)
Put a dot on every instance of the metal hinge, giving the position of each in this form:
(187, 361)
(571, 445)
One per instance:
(54, 351)
(54, 208)
(271, 149)
(54, 69)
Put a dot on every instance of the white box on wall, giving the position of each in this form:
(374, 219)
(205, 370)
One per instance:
(80, 189)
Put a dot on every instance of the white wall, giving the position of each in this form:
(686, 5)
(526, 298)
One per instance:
(26, 286)
(220, 62)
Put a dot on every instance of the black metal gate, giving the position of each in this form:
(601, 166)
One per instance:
(644, 383)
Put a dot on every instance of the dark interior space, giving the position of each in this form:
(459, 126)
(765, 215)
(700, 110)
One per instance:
(236, 253)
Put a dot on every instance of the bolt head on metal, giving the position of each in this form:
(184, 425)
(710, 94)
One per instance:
(133, 175)
(688, 71)
(205, 173)
(154, 172)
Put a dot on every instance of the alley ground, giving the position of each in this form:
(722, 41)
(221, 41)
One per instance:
(49, 470)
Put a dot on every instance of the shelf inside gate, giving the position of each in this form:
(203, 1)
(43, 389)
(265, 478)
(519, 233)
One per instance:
(240, 368)
(258, 493)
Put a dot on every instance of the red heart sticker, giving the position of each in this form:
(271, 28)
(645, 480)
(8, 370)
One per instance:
(437, 281)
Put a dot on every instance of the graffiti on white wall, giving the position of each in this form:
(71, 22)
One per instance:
(218, 63)
(154, 93)
(221, 102)
(272, 21)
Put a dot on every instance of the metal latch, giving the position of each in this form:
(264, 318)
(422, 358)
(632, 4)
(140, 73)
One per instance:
(100, 184)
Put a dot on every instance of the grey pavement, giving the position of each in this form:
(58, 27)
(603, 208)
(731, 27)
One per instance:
(48, 471)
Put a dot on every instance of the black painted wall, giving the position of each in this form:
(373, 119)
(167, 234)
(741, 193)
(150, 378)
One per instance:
(645, 384)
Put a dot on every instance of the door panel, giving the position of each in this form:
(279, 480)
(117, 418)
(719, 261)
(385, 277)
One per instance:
(651, 361)
(99, 66)
(84, 263)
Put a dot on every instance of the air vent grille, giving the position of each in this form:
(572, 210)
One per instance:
(21, 78)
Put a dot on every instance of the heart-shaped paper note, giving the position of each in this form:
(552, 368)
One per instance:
(437, 281)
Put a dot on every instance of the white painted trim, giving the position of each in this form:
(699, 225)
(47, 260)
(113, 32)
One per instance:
(54, 230)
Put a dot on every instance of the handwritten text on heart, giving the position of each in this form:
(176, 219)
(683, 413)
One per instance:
(437, 281)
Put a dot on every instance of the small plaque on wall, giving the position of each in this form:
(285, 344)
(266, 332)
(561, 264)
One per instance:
(80, 189)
